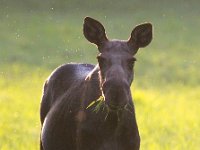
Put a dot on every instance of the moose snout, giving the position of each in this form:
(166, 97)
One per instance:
(117, 93)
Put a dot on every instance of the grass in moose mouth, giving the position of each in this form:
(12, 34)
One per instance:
(97, 104)
(100, 105)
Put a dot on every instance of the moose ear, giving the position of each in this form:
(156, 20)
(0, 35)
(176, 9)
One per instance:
(94, 31)
(141, 36)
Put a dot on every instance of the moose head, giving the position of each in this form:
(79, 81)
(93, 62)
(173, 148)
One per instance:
(116, 60)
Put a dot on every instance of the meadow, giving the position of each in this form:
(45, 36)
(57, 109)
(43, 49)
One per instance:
(35, 38)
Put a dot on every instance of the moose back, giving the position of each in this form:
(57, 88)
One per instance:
(87, 107)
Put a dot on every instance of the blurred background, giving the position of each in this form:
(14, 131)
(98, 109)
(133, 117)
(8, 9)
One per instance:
(36, 36)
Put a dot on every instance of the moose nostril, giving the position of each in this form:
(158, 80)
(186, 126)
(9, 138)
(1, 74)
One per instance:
(116, 106)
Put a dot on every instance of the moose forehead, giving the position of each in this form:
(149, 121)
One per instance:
(116, 45)
(116, 49)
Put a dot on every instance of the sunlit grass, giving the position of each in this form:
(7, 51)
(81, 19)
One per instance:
(168, 118)
(19, 105)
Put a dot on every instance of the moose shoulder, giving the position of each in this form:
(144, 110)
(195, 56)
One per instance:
(87, 107)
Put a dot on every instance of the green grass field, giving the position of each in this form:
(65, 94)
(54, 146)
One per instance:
(35, 40)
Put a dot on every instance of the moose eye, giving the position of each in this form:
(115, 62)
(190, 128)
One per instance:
(130, 63)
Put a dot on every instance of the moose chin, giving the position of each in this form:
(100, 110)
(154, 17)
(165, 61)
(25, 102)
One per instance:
(90, 107)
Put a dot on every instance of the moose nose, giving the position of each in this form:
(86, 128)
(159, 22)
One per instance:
(116, 93)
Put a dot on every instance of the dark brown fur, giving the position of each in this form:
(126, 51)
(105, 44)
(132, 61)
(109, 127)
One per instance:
(67, 121)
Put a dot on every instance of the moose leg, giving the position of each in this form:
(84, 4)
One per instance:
(44, 109)
(41, 148)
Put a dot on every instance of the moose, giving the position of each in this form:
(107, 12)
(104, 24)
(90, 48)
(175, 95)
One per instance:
(90, 107)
